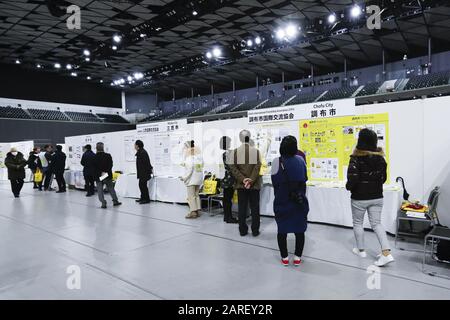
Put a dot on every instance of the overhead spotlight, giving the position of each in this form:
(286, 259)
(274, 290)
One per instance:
(194, 13)
(86, 52)
(258, 40)
(129, 78)
(73, 74)
(142, 35)
(355, 11)
(117, 38)
(17, 61)
(138, 75)
(209, 55)
(332, 18)
(57, 65)
(280, 34)
(217, 52)
(87, 59)
(38, 66)
(122, 81)
(69, 67)
(114, 47)
(88, 77)
(101, 81)
(291, 31)
(249, 43)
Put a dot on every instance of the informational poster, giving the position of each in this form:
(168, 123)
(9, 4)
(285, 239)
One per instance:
(328, 143)
(168, 153)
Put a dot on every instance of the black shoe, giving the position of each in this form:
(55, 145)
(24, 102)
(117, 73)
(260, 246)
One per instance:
(144, 202)
(40, 189)
(243, 234)
(138, 200)
(60, 191)
(89, 195)
(16, 196)
(117, 203)
(104, 205)
(255, 234)
(232, 220)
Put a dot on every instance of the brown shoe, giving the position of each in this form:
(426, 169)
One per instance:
(191, 215)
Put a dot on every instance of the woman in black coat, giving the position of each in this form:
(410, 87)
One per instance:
(34, 163)
(15, 162)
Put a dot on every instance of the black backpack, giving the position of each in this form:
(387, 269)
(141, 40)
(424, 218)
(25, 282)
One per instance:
(443, 250)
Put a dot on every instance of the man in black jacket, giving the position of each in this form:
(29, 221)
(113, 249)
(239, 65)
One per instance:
(47, 167)
(103, 164)
(34, 164)
(58, 164)
(144, 171)
(87, 161)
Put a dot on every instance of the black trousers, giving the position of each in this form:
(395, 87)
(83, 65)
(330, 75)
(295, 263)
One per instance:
(16, 186)
(227, 203)
(299, 244)
(48, 176)
(246, 197)
(89, 181)
(143, 186)
(60, 180)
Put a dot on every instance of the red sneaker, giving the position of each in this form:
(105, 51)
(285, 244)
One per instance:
(297, 262)
(285, 262)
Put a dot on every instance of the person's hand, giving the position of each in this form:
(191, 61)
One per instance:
(248, 183)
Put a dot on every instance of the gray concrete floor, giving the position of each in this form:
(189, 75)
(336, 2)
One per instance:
(152, 252)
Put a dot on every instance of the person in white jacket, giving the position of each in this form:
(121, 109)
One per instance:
(192, 178)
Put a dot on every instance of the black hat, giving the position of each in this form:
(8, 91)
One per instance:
(367, 140)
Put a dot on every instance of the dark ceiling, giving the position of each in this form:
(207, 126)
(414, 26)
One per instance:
(29, 32)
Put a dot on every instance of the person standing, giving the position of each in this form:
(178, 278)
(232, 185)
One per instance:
(87, 161)
(227, 181)
(103, 164)
(192, 178)
(365, 178)
(46, 158)
(34, 164)
(58, 164)
(290, 204)
(144, 171)
(245, 168)
(15, 162)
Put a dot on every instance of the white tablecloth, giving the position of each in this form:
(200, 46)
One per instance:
(166, 189)
(332, 205)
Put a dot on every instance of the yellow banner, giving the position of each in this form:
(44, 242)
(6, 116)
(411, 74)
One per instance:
(329, 142)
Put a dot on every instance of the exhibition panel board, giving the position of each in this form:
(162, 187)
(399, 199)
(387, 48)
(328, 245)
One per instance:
(415, 135)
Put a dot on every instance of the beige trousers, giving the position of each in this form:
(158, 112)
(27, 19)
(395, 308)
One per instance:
(193, 198)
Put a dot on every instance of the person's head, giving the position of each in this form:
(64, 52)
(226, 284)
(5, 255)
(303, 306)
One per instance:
(189, 147)
(100, 146)
(288, 146)
(59, 147)
(48, 148)
(36, 150)
(88, 147)
(367, 140)
(244, 136)
(14, 151)
(225, 143)
(138, 145)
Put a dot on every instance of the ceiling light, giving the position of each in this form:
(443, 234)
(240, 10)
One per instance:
(129, 78)
(332, 18)
(217, 52)
(69, 67)
(280, 34)
(249, 43)
(355, 11)
(114, 47)
(17, 61)
(142, 35)
(89, 78)
(57, 65)
(138, 75)
(291, 31)
(101, 81)
(117, 38)
(194, 13)
(258, 40)
(86, 52)
(209, 55)
(73, 74)
(87, 59)
(38, 66)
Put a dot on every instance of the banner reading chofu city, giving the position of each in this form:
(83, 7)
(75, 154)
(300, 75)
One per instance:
(315, 110)
(165, 126)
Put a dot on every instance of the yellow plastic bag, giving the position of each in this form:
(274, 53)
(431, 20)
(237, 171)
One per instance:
(115, 176)
(264, 168)
(210, 186)
(235, 196)
(38, 176)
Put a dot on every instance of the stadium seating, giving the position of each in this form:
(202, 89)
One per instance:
(227, 108)
(304, 98)
(83, 116)
(13, 113)
(369, 89)
(200, 112)
(112, 118)
(275, 102)
(338, 93)
(429, 80)
(248, 105)
(54, 115)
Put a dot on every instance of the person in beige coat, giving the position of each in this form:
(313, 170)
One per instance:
(245, 167)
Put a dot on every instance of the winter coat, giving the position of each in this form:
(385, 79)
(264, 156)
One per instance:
(58, 162)
(193, 171)
(87, 161)
(144, 168)
(34, 162)
(366, 174)
(246, 163)
(103, 162)
(291, 217)
(16, 166)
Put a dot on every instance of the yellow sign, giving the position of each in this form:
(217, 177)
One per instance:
(329, 142)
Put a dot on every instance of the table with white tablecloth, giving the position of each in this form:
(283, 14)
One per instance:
(332, 205)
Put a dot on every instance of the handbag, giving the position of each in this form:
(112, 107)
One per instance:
(210, 185)
(38, 177)
(295, 194)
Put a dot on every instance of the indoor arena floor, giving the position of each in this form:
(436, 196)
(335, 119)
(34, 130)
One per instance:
(153, 252)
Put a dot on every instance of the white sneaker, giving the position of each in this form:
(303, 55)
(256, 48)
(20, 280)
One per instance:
(384, 260)
(361, 254)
